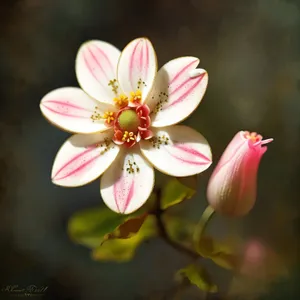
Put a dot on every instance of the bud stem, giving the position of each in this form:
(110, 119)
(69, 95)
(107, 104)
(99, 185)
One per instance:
(201, 226)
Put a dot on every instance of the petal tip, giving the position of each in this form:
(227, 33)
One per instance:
(197, 72)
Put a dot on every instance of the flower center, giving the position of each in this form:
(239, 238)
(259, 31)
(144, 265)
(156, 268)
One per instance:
(129, 120)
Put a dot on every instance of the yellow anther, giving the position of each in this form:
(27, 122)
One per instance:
(108, 116)
(114, 85)
(136, 96)
(253, 136)
(128, 136)
(121, 101)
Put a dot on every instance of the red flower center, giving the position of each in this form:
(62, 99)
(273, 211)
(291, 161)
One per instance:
(131, 125)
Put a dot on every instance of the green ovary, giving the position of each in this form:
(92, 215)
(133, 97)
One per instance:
(129, 120)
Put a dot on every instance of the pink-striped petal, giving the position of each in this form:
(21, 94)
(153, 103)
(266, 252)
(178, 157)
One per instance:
(83, 158)
(177, 151)
(178, 90)
(71, 109)
(96, 69)
(128, 183)
(137, 67)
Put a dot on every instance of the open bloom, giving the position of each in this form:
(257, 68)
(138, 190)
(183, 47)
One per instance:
(122, 117)
(232, 186)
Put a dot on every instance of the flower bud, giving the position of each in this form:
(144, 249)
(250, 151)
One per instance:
(232, 186)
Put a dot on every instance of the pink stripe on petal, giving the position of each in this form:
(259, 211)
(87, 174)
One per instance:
(183, 96)
(147, 60)
(192, 162)
(191, 151)
(67, 104)
(91, 69)
(130, 195)
(89, 66)
(132, 62)
(106, 58)
(196, 155)
(141, 58)
(123, 195)
(65, 114)
(181, 72)
(78, 170)
(98, 63)
(188, 161)
(74, 159)
(179, 87)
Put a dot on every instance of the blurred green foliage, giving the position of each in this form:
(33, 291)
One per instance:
(175, 192)
(127, 229)
(89, 227)
(189, 181)
(116, 237)
(122, 250)
(198, 276)
(224, 254)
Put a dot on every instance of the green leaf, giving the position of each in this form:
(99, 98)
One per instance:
(128, 229)
(191, 181)
(122, 250)
(198, 276)
(175, 192)
(222, 254)
(226, 261)
(179, 228)
(88, 227)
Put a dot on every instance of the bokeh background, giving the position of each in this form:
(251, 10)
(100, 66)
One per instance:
(251, 49)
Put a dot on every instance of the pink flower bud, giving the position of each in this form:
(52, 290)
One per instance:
(232, 185)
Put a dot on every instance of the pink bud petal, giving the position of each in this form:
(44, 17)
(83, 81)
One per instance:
(232, 186)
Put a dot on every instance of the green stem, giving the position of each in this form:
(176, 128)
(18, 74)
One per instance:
(201, 226)
(158, 212)
(164, 234)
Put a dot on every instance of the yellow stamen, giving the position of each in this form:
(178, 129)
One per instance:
(253, 136)
(136, 96)
(108, 116)
(121, 101)
(128, 136)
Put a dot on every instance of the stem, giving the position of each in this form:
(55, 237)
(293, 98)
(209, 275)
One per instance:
(164, 234)
(201, 226)
(176, 291)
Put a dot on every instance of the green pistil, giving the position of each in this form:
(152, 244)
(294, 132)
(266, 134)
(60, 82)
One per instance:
(129, 120)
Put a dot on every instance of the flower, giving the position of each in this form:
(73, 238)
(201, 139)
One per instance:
(122, 117)
(260, 261)
(232, 186)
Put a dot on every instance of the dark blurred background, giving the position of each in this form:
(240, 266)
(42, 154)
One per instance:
(251, 50)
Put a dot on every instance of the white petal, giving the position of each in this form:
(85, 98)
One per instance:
(83, 158)
(137, 67)
(71, 109)
(96, 67)
(128, 183)
(177, 91)
(177, 151)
